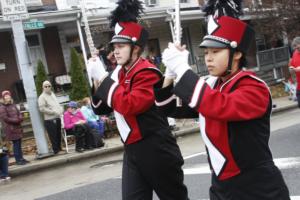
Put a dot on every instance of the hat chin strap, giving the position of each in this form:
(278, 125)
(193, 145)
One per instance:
(130, 55)
(229, 66)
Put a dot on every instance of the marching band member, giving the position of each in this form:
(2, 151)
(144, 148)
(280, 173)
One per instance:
(233, 105)
(152, 158)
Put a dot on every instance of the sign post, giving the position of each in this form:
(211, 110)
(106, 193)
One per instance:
(15, 11)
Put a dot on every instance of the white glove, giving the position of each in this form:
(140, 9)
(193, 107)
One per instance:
(96, 70)
(176, 60)
(169, 74)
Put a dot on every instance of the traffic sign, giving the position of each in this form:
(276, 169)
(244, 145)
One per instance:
(15, 17)
(33, 25)
(14, 10)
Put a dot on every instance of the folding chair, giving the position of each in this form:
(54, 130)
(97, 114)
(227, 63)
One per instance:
(65, 136)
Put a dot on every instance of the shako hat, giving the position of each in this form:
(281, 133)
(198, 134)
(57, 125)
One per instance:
(125, 21)
(224, 29)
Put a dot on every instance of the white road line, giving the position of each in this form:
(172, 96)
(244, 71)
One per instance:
(194, 155)
(198, 169)
(292, 198)
(281, 163)
(287, 163)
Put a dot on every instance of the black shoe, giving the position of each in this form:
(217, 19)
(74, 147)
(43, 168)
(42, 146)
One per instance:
(79, 150)
(88, 148)
(26, 161)
(21, 162)
(101, 145)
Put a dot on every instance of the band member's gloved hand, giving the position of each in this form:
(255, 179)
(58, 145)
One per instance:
(170, 74)
(96, 69)
(176, 60)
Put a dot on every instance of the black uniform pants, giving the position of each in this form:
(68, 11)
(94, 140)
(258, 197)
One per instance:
(53, 128)
(298, 97)
(262, 183)
(83, 136)
(153, 163)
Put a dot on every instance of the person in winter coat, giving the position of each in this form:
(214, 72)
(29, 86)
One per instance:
(4, 176)
(12, 119)
(49, 106)
(295, 65)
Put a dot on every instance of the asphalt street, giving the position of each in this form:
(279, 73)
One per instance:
(100, 178)
(285, 147)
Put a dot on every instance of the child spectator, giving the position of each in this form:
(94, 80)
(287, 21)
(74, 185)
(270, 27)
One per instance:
(93, 120)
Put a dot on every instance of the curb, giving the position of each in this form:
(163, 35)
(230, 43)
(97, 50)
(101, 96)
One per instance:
(34, 167)
(284, 108)
(43, 165)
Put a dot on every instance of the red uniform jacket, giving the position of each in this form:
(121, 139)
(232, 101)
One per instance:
(234, 118)
(295, 61)
(130, 95)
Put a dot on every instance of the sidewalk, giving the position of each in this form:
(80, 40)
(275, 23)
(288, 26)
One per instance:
(114, 144)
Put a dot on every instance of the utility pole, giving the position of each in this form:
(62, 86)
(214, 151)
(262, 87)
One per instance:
(15, 11)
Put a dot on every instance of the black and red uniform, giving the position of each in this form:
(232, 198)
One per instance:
(235, 126)
(152, 158)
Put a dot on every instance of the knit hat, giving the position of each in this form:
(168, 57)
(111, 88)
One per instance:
(72, 104)
(46, 83)
(6, 92)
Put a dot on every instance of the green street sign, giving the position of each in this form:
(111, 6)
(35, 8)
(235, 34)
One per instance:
(33, 25)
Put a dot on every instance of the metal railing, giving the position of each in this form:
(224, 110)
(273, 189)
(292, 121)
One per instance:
(273, 58)
(266, 60)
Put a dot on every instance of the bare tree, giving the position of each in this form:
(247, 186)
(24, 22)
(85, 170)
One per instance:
(275, 17)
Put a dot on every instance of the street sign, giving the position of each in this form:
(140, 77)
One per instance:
(14, 10)
(33, 25)
(15, 17)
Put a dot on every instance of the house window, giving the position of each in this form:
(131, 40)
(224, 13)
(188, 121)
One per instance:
(33, 2)
(260, 42)
(72, 3)
(73, 39)
(151, 3)
(33, 40)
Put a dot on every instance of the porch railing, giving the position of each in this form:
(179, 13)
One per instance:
(273, 58)
(266, 60)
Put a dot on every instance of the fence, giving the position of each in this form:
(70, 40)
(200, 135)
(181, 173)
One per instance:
(266, 60)
(273, 58)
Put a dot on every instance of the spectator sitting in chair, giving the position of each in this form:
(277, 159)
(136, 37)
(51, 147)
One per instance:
(93, 120)
(76, 124)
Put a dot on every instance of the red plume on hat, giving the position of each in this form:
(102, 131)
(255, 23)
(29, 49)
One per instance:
(224, 28)
(124, 19)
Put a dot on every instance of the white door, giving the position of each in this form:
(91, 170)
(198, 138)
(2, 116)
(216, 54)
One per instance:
(36, 51)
